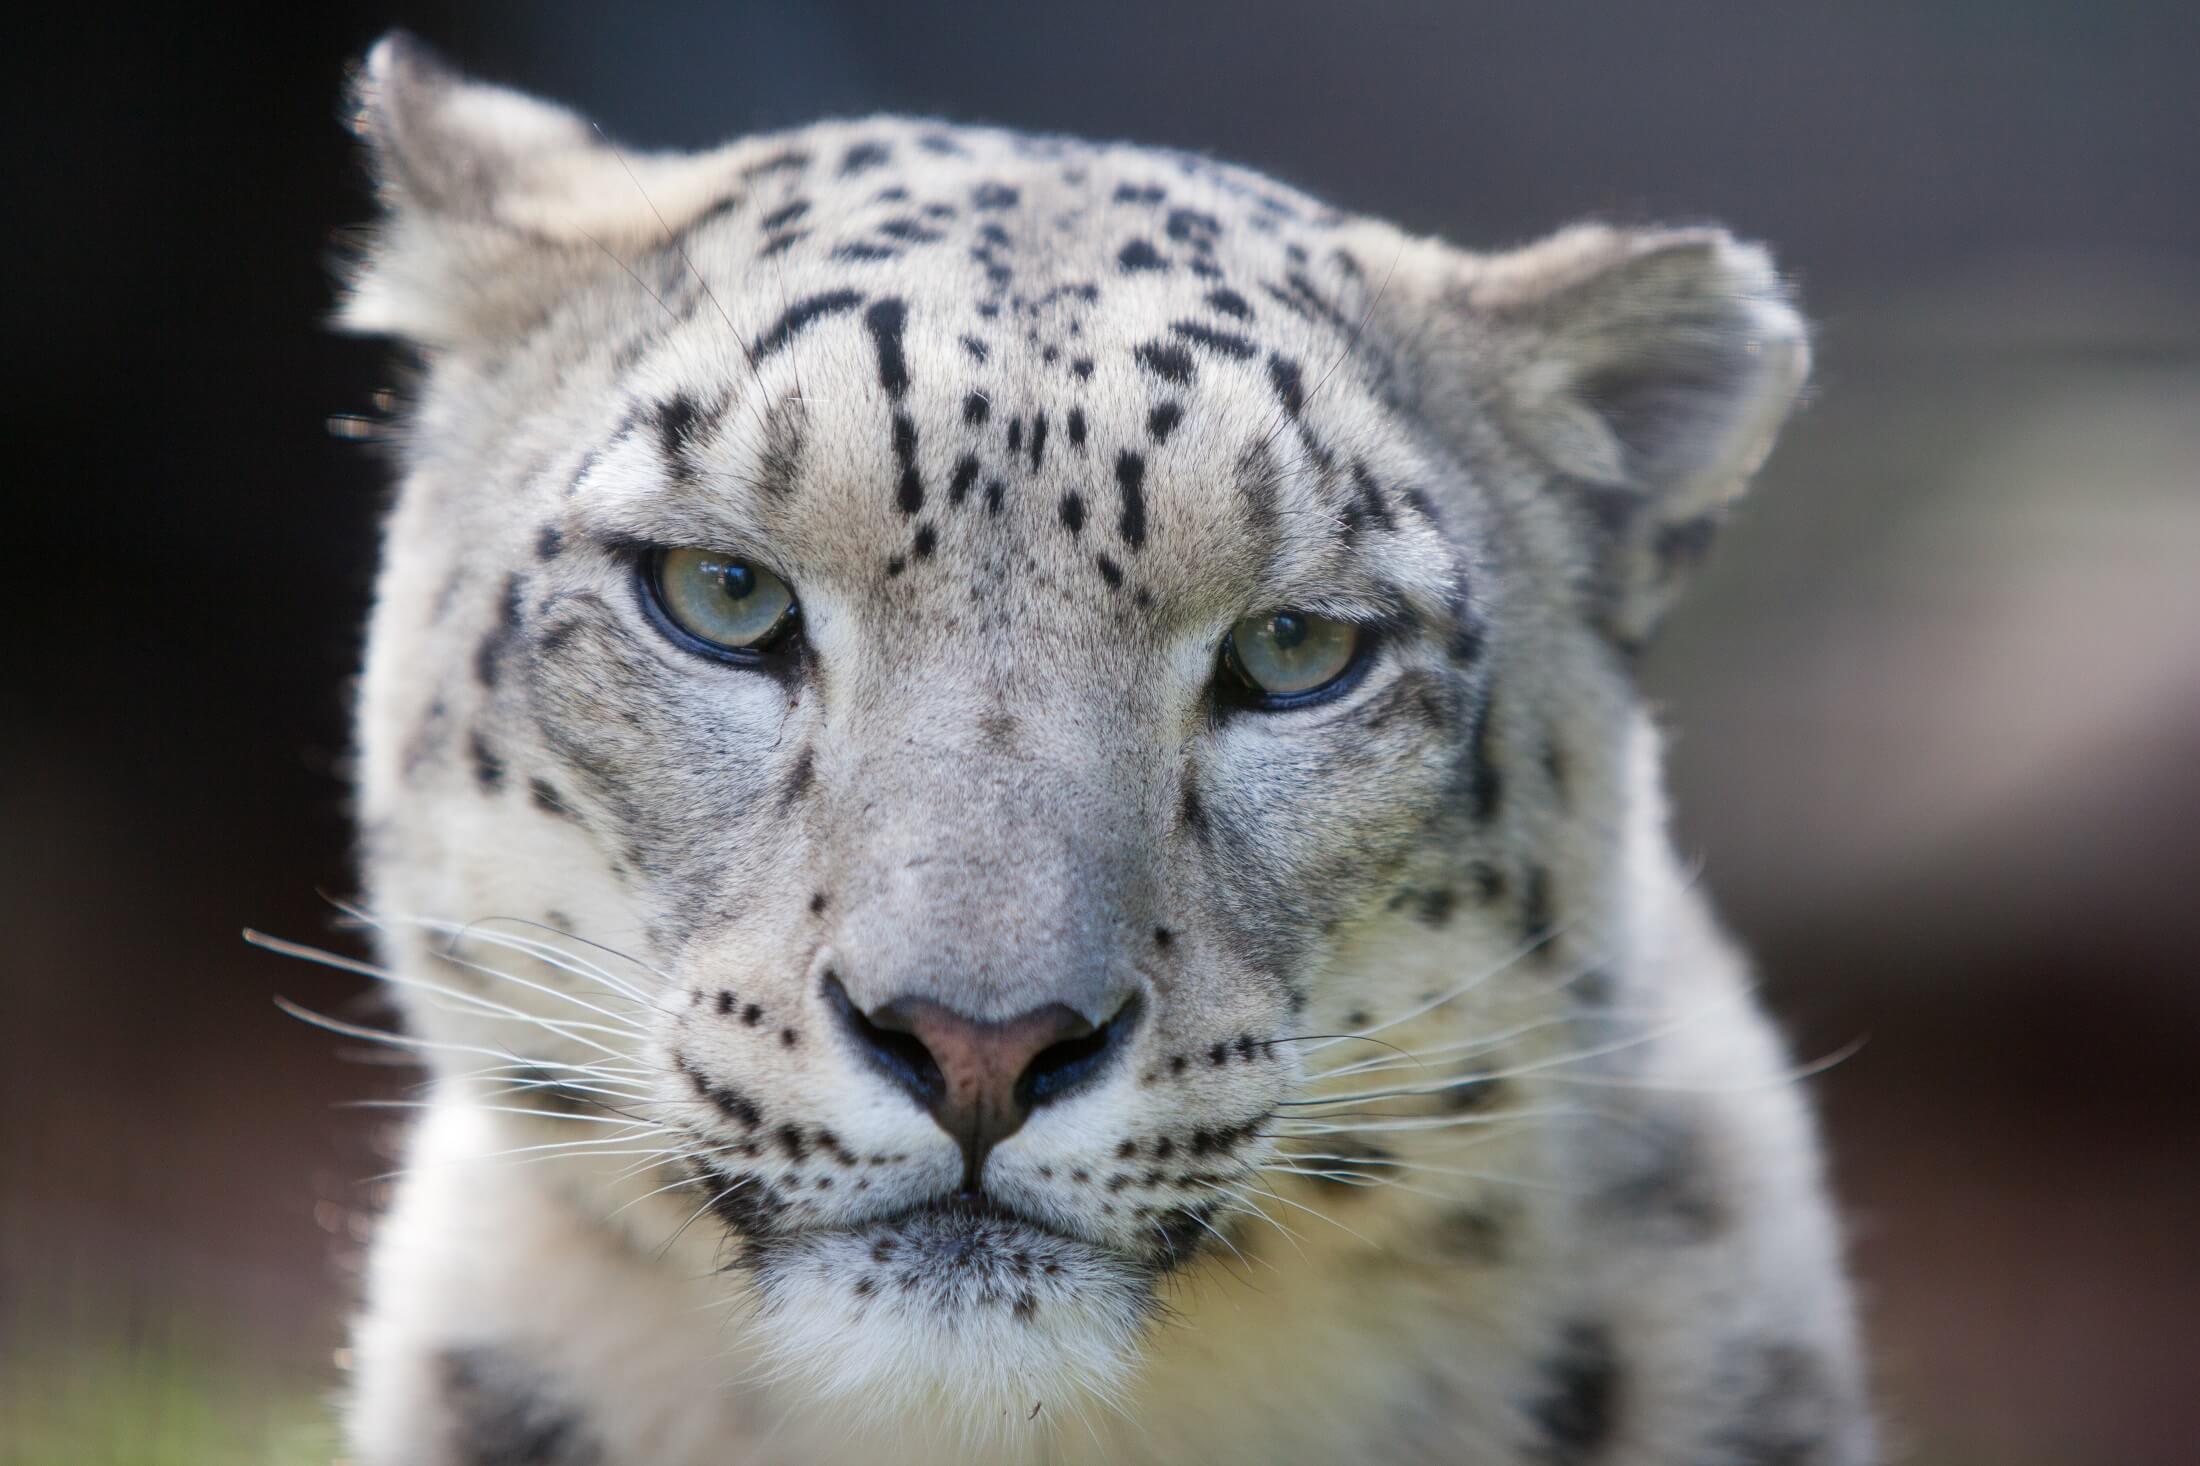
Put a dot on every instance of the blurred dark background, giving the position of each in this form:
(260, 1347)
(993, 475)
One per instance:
(1937, 706)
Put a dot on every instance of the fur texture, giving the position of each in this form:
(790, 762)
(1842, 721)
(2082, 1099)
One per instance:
(1446, 1128)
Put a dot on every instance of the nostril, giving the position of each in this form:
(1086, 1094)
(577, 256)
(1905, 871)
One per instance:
(900, 1056)
(1060, 1069)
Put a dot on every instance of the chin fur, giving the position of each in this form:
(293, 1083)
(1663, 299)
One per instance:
(972, 1323)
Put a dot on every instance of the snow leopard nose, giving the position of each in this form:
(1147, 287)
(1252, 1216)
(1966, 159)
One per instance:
(978, 1079)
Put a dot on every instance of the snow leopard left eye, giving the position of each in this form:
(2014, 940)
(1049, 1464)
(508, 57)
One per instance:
(717, 603)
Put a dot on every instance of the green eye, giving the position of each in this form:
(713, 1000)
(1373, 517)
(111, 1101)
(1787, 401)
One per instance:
(723, 601)
(1289, 656)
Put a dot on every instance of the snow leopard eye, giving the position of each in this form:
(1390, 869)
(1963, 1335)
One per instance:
(723, 602)
(1290, 658)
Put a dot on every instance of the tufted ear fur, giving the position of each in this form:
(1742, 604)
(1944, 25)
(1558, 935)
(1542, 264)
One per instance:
(1645, 371)
(493, 198)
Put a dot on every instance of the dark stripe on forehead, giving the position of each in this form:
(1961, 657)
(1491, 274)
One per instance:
(1222, 342)
(1283, 375)
(1130, 480)
(909, 494)
(803, 314)
(884, 321)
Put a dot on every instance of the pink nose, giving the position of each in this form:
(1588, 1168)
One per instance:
(980, 1079)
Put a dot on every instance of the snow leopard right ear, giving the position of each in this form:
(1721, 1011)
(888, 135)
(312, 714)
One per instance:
(496, 202)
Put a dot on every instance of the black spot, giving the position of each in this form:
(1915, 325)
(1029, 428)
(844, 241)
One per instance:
(975, 408)
(724, 1098)
(1081, 367)
(1190, 226)
(909, 494)
(1192, 812)
(1139, 255)
(1139, 193)
(1469, 1092)
(862, 251)
(862, 157)
(1076, 427)
(677, 419)
(1230, 303)
(1535, 910)
(1038, 439)
(977, 349)
(817, 902)
(1170, 363)
(719, 210)
(927, 540)
(789, 160)
(1434, 907)
(489, 655)
(1283, 375)
(778, 243)
(549, 542)
(545, 797)
(1370, 499)
(1469, 636)
(1110, 572)
(753, 1014)
(1554, 766)
(966, 473)
(488, 766)
(1237, 348)
(799, 779)
(1485, 786)
(1130, 478)
(993, 196)
(1573, 1411)
(502, 1413)
(994, 491)
(1163, 419)
(884, 321)
(1073, 513)
(1683, 546)
(1162, 937)
(784, 215)
(909, 231)
(802, 315)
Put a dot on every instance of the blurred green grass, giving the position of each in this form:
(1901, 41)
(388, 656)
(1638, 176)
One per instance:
(179, 1397)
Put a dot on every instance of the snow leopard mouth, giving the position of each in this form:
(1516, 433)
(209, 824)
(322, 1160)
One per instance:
(974, 1236)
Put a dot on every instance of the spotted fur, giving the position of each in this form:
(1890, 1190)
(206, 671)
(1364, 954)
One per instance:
(1442, 1127)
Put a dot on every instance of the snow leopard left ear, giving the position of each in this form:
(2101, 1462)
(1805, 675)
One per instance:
(496, 201)
(1644, 372)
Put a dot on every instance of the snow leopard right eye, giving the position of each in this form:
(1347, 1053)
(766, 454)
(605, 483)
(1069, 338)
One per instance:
(721, 605)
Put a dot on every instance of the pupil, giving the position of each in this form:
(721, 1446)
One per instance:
(1288, 629)
(738, 581)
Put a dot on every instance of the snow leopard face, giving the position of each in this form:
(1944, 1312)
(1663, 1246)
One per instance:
(974, 683)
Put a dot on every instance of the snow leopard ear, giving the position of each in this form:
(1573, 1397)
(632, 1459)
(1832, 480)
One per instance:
(1646, 372)
(495, 201)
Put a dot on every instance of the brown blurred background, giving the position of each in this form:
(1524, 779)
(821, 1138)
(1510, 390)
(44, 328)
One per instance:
(1937, 706)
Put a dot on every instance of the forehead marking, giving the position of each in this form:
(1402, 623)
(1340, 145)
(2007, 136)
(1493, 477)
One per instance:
(1222, 342)
(1170, 363)
(884, 321)
(802, 314)
(1130, 479)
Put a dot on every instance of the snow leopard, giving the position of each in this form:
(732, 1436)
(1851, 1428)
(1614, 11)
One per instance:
(1002, 782)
